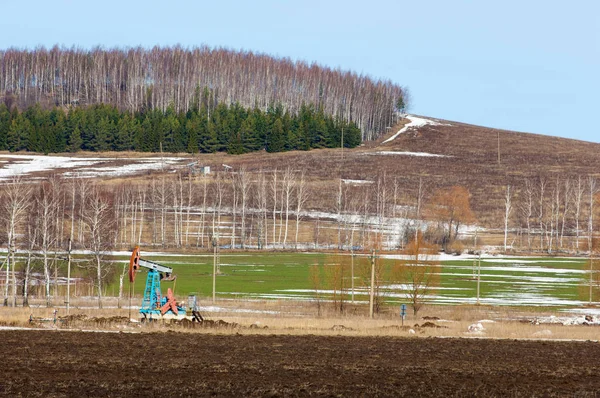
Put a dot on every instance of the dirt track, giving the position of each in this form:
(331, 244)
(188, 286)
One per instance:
(49, 363)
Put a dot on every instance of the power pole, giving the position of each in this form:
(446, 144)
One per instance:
(352, 271)
(591, 276)
(214, 281)
(69, 278)
(478, 277)
(342, 143)
(372, 292)
(498, 146)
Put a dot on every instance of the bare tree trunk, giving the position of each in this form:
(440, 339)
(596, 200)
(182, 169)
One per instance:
(274, 194)
(288, 186)
(31, 236)
(16, 202)
(244, 179)
(190, 194)
(578, 200)
(234, 210)
(203, 216)
(142, 201)
(301, 197)
(566, 209)
(592, 191)
(528, 210)
(507, 211)
(542, 182)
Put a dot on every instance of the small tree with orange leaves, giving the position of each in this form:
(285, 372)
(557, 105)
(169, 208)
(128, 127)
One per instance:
(419, 273)
(450, 206)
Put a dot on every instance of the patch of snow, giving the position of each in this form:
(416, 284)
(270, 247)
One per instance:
(80, 167)
(356, 182)
(414, 122)
(569, 320)
(27, 164)
(476, 328)
(422, 154)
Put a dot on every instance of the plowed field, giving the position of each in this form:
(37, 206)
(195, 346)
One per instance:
(76, 364)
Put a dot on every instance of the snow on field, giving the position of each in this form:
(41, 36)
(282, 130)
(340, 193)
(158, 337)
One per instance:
(29, 164)
(421, 154)
(127, 169)
(587, 319)
(414, 122)
(79, 167)
(356, 182)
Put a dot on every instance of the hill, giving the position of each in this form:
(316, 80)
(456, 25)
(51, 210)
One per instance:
(136, 79)
(552, 182)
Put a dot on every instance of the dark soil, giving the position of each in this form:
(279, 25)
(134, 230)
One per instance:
(173, 364)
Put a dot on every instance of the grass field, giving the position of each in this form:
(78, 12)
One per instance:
(546, 282)
(541, 282)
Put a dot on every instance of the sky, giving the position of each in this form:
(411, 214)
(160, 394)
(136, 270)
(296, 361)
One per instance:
(526, 65)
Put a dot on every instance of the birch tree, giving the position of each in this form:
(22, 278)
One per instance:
(579, 193)
(17, 198)
(302, 194)
(527, 208)
(592, 190)
(46, 206)
(507, 211)
(288, 186)
(244, 180)
(99, 224)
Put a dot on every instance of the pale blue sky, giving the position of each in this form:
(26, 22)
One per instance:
(521, 65)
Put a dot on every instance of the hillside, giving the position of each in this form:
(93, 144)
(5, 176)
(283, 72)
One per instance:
(383, 177)
(470, 159)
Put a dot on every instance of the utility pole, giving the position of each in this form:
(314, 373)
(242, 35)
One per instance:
(498, 146)
(478, 277)
(352, 272)
(68, 301)
(372, 292)
(214, 281)
(342, 144)
(591, 276)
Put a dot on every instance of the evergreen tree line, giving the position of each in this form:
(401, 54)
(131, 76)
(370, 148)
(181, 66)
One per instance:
(232, 129)
(137, 78)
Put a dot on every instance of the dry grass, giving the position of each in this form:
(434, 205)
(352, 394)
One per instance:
(299, 318)
(471, 162)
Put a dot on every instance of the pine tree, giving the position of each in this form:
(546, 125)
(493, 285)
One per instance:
(5, 122)
(192, 129)
(75, 141)
(18, 135)
(276, 141)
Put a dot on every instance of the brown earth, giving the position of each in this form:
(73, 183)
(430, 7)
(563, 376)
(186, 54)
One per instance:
(78, 364)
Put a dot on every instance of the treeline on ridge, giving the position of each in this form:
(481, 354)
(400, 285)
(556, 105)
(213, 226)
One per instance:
(233, 129)
(133, 79)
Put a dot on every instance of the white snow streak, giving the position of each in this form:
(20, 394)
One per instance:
(414, 122)
(419, 154)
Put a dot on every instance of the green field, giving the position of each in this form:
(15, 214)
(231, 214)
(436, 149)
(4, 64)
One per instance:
(542, 282)
(504, 281)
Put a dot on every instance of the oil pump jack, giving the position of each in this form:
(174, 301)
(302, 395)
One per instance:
(154, 305)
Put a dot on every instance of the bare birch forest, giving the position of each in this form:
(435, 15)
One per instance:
(277, 209)
(137, 78)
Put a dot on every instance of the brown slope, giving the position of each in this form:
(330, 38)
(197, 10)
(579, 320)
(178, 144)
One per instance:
(472, 161)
